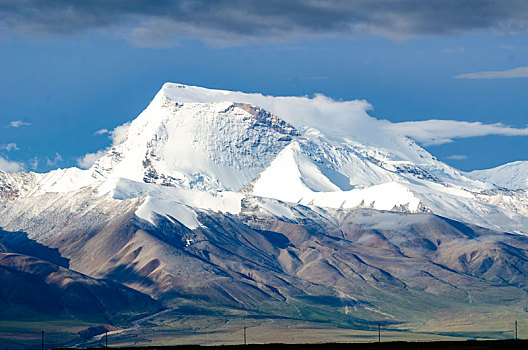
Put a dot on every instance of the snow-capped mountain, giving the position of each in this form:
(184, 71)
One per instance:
(205, 146)
(213, 140)
(227, 198)
(511, 176)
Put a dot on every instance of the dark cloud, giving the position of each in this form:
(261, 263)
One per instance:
(160, 22)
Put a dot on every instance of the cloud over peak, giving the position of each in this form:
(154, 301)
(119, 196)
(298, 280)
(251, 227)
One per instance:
(88, 159)
(10, 166)
(437, 132)
(102, 132)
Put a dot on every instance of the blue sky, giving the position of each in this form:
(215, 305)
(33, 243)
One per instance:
(69, 72)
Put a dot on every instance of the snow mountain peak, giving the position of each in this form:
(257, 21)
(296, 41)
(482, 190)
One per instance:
(196, 145)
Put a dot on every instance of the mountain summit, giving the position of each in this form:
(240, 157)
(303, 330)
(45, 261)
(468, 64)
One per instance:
(196, 145)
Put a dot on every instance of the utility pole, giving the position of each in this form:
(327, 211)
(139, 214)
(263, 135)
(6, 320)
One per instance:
(515, 329)
(106, 339)
(42, 340)
(379, 333)
(245, 339)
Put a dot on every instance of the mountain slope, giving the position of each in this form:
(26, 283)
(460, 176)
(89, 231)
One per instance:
(275, 258)
(59, 292)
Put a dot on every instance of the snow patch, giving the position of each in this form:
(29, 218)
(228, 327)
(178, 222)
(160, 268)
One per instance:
(276, 208)
(181, 204)
(178, 211)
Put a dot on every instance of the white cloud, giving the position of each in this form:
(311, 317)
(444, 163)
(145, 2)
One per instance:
(119, 133)
(55, 161)
(456, 157)
(10, 166)
(34, 163)
(348, 119)
(437, 132)
(102, 132)
(88, 159)
(520, 72)
(10, 147)
(343, 118)
(17, 124)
